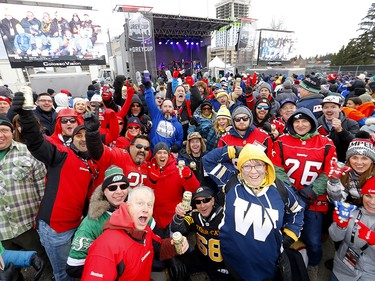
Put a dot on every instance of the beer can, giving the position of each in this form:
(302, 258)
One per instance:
(193, 165)
(186, 200)
(181, 163)
(177, 241)
(28, 104)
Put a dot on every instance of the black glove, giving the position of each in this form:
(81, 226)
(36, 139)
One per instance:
(287, 241)
(193, 121)
(8, 274)
(177, 270)
(307, 194)
(238, 150)
(17, 103)
(147, 84)
(92, 122)
(38, 265)
(174, 148)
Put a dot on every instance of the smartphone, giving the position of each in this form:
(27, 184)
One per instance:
(146, 75)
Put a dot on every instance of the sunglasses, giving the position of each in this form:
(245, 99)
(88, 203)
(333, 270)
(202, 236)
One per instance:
(120, 123)
(140, 146)
(206, 108)
(265, 107)
(159, 98)
(133, 128)
(114, 187)
(66, 120)
(136, 105)
(93, 104)
(205, 200)
(238, 119)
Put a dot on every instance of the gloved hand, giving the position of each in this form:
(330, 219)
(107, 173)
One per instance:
(193, 121)
(370, 120)
(366, 233)
(339, 221)
(38, 265)
(307, 194)
(335, 191)
(176, 73)
(189, 80)
(92, 122)
(186, 172)
(8, 274)
(177, 270)
(234, 151)
(17, 102)
(287, 241)
(344, 209)
(337, 170)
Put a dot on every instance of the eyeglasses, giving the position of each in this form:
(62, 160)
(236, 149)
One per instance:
(206, 108)
(48, 101)
(205, 200)
(140, 146)
(257, 167)
(5, 131)
(113, 187)
(66, 120)
(136, 105)
(265, 107)
(133, 128)
(244, 118)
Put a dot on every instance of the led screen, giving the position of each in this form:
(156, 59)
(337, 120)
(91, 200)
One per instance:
(45, 36)
(276, 45)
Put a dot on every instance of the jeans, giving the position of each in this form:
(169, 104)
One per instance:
(57, 246)
(312, 236)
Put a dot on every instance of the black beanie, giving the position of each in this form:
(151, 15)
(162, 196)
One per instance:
(161, 146)
(5, 121)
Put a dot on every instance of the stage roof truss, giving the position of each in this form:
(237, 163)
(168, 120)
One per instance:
(180, 27)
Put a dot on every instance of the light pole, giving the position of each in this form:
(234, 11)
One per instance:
(226, 47)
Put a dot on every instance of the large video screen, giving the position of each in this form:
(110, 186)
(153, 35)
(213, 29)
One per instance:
(275, 45)
(51, 37)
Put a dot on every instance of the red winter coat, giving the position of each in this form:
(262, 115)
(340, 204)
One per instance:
(130, 260)
(168, 186)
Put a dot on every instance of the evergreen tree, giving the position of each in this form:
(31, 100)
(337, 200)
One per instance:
(359, 50)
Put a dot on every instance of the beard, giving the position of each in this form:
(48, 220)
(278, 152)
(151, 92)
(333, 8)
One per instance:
(168, 116)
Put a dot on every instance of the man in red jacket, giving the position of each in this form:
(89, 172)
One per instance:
(169, 183)
(131, 160)
(131, 259)
(69, 181)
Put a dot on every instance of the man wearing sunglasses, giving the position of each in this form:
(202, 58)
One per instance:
(132, 159)
(206, 256)
(105, 200)
(67, 120)
(243, 132)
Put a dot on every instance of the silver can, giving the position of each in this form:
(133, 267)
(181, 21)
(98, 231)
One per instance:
(186, 200)
(177, 241)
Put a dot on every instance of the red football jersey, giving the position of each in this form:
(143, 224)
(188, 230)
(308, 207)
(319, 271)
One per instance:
(303, 160)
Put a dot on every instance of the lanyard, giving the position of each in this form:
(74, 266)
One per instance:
(355, 227)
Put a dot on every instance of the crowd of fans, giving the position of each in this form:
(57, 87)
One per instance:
(92, 187)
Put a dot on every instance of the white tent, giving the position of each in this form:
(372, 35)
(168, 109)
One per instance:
(217, 65)
(216, 62)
